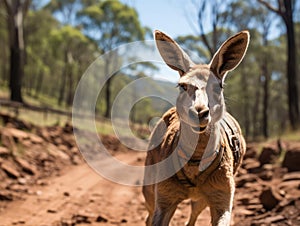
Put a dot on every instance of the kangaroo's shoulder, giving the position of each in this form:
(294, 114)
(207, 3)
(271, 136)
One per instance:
(165, 131)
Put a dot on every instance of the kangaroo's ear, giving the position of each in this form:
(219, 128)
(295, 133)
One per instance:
(172, 54)
(230, 54)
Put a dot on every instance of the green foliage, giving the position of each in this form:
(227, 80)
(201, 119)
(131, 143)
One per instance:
(63, 39)
(111, 23)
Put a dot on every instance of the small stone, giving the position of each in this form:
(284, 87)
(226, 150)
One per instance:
(274, 219)
(270, 198)
(101, 219)
(251, 152)
(35, 139)
(17, 134)
(27, 167)
(242, 180)
(81, 219)
(22, 181)
(6, 196)
(291, 159)
(67, 194)
(51, 211)
(4, 152)
(10, 170)
(291, 176)
(268, 154)
(123, 221)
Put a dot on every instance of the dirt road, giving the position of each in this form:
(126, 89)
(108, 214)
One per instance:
(81, 197)
(44, 182)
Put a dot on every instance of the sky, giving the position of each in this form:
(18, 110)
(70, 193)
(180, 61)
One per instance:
(170, 16)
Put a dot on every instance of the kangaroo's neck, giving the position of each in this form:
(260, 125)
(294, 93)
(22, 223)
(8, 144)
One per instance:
(192, 143)
(200, 146)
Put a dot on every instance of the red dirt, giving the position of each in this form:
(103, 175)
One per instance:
(56, 187)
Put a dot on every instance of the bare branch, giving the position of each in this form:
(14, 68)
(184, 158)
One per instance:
(269, 6)
(202, 32)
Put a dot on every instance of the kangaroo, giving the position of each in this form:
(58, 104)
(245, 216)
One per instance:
(204, 142)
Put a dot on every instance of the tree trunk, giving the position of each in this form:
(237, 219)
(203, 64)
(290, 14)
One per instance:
(285, 10)
(292, 73)
(266, 82)
(255, 112)
(108, 86)
(70, 89)
(108, 98)
(62, 89)
(246, 100)
(38, 85)
(15, 20)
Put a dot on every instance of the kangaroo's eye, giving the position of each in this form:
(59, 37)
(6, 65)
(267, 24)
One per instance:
(182, 87)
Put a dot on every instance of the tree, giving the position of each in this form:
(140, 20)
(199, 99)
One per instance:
(285, 11)
(16, 12)
(212, 11)
(71, 43)
(66, 9)
(39, 52)
(111, 23)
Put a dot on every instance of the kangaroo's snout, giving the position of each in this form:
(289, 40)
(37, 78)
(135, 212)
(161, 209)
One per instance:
(202, 114)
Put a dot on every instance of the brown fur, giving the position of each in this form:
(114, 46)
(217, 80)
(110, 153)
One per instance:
(216, 189)
(213, 187)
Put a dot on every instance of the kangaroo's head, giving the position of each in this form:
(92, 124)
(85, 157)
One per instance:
(200, 101)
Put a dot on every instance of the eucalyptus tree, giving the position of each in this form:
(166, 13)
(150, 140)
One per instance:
(286, 10)
(110, 23)
(71, 43)
(40, 60)
(16, 11)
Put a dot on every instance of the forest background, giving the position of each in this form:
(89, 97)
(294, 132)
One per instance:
(46, 46)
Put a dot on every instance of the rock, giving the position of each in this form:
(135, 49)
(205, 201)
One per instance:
(10, 170)
(35, 139)
(18, 188)
(4, 152)
(291, 176)
(268, 155)
(81, 219)
(55, 152)
(270, 198)
(123, 221)
(101, 219)
(68, 128)
(51, 211)
(8, 141)
(17, 134)
(291, 159)
(67, 194)
(76, 160)
(6, 196)
(266, 175)
(246, 212)
(255, 207)
(252, 166)
(44, 134)
(27, 167)
(251, 151)
(269, 220)
(22, 181)
(242, 180)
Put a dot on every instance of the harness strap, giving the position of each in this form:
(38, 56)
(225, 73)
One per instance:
(234, 143)
(215, 164)
(202, 176)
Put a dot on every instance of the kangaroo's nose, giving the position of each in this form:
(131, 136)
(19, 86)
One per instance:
(202, 111)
